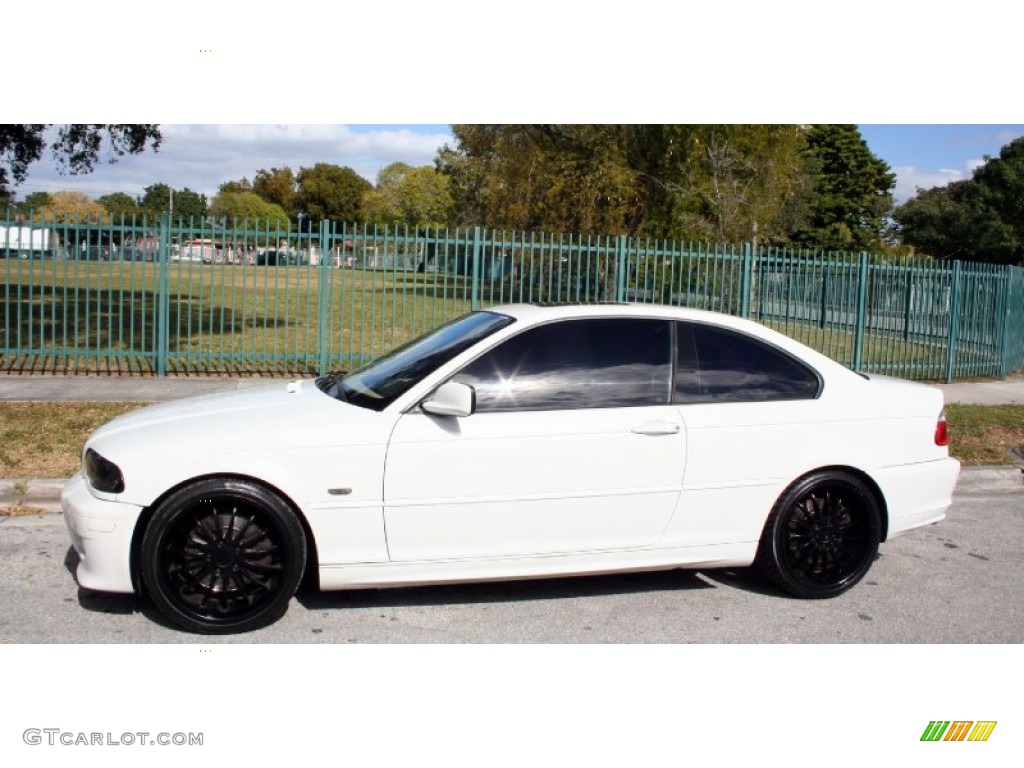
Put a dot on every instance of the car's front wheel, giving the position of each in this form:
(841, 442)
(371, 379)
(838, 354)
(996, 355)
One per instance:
(822, 535)
(222, 555)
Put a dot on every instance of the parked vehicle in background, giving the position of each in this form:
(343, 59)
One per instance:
(517, 442)
(198, 251)
(26, 242)
(280, 257)
(107, 252)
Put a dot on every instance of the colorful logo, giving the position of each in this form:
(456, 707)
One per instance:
(958, 730)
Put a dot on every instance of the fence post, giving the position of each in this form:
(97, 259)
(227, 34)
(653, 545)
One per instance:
(1013, 319)
(862, 311)
(746, 280)
(954, 320)
(621, 258)
(324, 297)
(823, 316)
(475, 295)
(908, 312)
(163, 298)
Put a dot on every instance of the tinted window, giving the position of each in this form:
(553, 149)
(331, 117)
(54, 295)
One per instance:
(602, 363)
(380, 383)
(718, 365)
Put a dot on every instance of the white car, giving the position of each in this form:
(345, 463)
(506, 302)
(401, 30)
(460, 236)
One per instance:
(516, 442)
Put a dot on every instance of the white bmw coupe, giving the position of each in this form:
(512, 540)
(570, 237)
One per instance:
(513, 443)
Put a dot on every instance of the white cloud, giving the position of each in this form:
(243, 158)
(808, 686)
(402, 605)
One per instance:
(909, 179)
(201, 157)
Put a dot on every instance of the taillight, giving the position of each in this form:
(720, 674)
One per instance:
(941, 430)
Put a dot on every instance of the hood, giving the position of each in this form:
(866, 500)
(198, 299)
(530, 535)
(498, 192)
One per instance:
(270, 417)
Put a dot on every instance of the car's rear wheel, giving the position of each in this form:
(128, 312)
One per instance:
(222, 555)
(822, 535)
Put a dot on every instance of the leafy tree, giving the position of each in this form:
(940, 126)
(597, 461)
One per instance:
(1000, 184)
(978, 219)
(73, 207)
(249, 207)
(331, 192)
(852, 191)
(738, 183)
(242, 185)
(33, 202)
(76, 147)
(278, 186)
(720, 182)
(184, 203)
(119, 204)
(418, 197)
(566, 178)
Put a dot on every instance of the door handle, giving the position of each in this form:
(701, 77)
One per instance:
(655, 428)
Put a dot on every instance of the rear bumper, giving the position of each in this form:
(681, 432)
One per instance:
(101, 533)
(917, 494)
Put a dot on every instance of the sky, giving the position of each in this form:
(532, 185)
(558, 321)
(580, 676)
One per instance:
(201, 157)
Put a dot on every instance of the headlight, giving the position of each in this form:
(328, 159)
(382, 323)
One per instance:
(103, 475)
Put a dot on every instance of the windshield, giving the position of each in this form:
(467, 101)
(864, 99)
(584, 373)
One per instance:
(387, 378)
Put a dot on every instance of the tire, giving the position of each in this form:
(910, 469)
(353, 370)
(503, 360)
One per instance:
(222, 555)
(821, 536)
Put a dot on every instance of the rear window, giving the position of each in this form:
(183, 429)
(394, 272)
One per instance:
(717, 365)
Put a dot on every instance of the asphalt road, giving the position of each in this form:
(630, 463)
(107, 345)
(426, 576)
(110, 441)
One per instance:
(955, 582)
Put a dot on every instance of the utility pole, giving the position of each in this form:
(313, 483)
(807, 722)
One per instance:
(170, 195)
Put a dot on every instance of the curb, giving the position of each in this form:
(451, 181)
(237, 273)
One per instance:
(44, 493)
(990, 478)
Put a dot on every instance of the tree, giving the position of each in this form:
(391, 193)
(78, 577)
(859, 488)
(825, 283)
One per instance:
(680, 181)
(739, 183)
(248, 207)
(331, 192)
(73, 207)
(119, 204)
(978, 219)
(33, 202)
(418, 197)
(184, 203)
(852, 191)
(564, 178)
(278, 186)
(76, 147)
(1000, 183)
(242, 185)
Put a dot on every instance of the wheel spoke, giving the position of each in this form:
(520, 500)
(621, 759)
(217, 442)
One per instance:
(219, 565)
(824, 538)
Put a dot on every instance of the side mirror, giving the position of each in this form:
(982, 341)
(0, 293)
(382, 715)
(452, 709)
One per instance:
(451, 399)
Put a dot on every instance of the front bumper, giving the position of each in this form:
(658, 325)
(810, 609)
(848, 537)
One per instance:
(101, 533)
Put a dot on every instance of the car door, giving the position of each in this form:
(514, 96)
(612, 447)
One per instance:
(573, 447)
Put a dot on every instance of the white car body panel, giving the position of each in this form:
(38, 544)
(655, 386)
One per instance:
(506, 484)
(399, 497)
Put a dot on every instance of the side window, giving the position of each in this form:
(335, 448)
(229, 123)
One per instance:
(593, 363)
(716, 365)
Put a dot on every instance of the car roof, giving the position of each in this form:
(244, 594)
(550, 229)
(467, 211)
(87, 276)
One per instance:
(539, 313)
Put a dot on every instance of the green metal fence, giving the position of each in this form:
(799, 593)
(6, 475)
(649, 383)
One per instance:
(182, 297)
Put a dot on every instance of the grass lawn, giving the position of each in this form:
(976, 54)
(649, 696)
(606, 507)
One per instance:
(984, 434)
(45, 439)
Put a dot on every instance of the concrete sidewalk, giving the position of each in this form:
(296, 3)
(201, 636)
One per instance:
(45, 493)
(35, 388)
(145, 389)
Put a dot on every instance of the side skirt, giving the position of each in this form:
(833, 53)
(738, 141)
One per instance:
(404, 574)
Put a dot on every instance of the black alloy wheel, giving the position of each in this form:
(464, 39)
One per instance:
(822, 535)
(223, 556)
